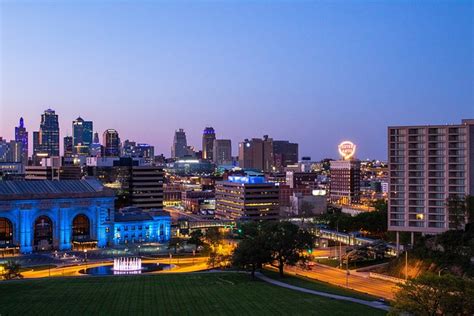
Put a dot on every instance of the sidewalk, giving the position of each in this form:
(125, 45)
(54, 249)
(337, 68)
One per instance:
(374, 304)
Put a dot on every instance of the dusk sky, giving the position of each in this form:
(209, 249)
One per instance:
(312, 72)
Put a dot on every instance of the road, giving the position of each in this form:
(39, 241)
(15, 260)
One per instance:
(376, 287)
(181, 265)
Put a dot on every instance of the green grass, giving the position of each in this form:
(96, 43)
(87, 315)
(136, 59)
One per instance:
(175, 294)
(316, 285)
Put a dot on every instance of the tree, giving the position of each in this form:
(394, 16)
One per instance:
(430, 294)
(457, 210)
(196, 239)
(214, 236)
(287, 242)
(252, 252)
(175, 243)
(306, 210)
(12, 270)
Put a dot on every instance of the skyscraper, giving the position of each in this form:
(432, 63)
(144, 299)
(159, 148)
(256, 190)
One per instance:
(46, 141)
(111, 142)
(82, 136)
(96, 147)
(208, 137)
(180, 145)
(68, 146)
(256, 154)
(222, 151)
(21, 135)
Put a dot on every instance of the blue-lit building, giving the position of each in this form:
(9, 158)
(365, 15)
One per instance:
(71, 214)
(133, 225)
(188, 167)
(247, 196)
(42, 215)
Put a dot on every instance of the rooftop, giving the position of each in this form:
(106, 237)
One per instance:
(44, 189)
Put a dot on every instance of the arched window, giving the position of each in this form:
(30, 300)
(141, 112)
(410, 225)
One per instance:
(81, 228)
(6, 231)
(43, 230)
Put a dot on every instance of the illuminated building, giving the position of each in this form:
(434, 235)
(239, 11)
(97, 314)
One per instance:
(208, 137)
(11, 151)
(133, 225)
(180, 145)
(46, 140)
(21, 135)
(96, 147)
(42, 215)
(345, 176)
(134, 150)
(247, 198)
(256, 154)
(202, 203)
(111, 142)
(222, 154)
(427, 165)
(82, 136)
(186, 167)
(68, 146)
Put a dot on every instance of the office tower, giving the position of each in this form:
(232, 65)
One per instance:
(256, 154)
(10, 151)
(21, 135)
(49, 133)
(208, 137)
(180, 145)
(222, 151)
(284, 154)
(345, 176)
(68, 146)
(146, 187)
(36, 148)
(111, 142)
(247, 198)
(82, 136)
(345, 182)
(96, 147)
(427, 166)
(134, 150)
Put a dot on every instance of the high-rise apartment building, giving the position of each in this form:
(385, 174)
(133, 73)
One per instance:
(428, 165)
(256, 154)
(208, 137)
(82, 136)
(21, 135)
(247, 198)
(180, 145)
(222, 154)
(111, 142)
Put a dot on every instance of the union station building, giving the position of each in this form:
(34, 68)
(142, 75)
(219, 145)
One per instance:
(70, 214)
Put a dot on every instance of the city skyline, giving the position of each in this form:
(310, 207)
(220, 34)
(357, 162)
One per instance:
(247, 69)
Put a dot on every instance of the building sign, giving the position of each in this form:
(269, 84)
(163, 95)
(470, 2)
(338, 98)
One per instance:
(347, 149)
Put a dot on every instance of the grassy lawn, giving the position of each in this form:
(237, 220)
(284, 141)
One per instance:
(177, 294)
(316, 285)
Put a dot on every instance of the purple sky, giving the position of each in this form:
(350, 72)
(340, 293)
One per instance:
(315, 73)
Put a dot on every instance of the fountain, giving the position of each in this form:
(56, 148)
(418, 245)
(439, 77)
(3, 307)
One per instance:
(127, 265)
